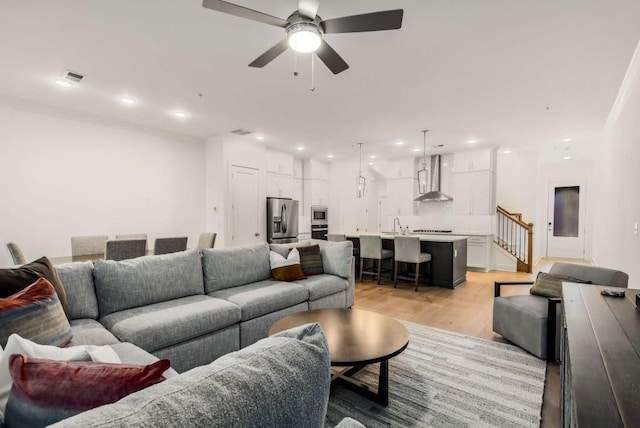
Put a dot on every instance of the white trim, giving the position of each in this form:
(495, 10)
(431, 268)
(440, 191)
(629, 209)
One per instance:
(631, 78)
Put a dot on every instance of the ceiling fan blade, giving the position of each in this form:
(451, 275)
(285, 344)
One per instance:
(243, 12)
(271, 54)
(376, 21)
(308, 8)
(331, 58)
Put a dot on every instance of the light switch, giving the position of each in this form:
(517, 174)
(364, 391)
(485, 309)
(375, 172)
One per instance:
(635, 228)
(455, 253)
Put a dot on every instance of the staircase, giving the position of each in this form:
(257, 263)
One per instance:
(516, 237)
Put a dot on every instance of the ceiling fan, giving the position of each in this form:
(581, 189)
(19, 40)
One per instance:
(304, 29)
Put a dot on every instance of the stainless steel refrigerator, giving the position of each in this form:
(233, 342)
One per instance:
(282, 220)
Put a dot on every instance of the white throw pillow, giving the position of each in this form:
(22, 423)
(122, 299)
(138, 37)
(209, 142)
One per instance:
(19, 345)
(276, 260)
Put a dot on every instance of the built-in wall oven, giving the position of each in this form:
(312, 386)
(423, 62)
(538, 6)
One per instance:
(319, 222)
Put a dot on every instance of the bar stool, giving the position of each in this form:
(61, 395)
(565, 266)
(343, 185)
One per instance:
(371, 248)
(407, 250)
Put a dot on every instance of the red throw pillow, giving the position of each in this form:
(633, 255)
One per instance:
(47, 391)
(35, 313)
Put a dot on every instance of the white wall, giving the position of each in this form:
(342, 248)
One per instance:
(618, 200)
(64, 174)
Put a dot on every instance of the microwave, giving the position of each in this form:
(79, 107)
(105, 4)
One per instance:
(319, 214)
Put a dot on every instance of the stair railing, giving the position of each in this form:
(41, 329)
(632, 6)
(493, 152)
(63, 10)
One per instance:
(516, 237)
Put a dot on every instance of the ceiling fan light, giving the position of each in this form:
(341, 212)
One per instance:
(304, 38)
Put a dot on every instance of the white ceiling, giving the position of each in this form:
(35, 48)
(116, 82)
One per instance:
(511, 73)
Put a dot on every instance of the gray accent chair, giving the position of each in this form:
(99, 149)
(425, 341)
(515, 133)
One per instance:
(406, 249)
(123, 249)
(16, 253)
(371, 248)
(88, 245)
(533, 322)
(169, 245)
(207, 240)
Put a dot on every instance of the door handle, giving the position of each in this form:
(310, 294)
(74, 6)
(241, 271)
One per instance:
(284, 219)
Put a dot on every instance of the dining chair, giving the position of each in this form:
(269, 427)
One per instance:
(206, 240)
(532, 321)
(406, 249)
(371, 248)
(132, 236)
(16, 253)
(88, 245)
(169, 245)
(122, 249)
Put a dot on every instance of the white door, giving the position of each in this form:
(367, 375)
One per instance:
(245, 206)
(566, 220)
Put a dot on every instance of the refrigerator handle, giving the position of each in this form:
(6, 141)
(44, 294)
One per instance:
(284, 218)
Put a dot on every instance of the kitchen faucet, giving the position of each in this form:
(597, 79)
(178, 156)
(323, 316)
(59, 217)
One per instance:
(394, 224)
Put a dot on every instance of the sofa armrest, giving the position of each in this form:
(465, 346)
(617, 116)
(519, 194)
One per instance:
(552, 321)
(497, 285)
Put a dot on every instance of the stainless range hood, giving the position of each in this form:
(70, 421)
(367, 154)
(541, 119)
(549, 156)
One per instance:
(434, 194)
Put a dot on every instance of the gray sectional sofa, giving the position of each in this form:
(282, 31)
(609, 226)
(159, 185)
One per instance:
(193, 307)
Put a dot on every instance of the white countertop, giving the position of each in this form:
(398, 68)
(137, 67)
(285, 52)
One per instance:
(443, 237)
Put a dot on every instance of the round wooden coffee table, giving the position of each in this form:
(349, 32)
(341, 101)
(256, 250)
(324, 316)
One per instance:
(356, 338)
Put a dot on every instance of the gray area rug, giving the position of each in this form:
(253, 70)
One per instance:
(446, 379)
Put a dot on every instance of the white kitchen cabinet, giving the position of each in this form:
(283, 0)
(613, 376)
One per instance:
(478, 252)
(476, 160)
(279, 186)
(316, 192)
(297, 168)
(297, 192)
(316, 170)
(279, 163)
(402, 168)
(400, 195)
(473, 193)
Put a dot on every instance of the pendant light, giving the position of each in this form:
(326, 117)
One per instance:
(360, 181)
(423, 174)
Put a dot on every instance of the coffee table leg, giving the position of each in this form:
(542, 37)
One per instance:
(381, 396)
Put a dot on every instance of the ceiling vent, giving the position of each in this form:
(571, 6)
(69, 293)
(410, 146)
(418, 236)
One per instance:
(73, 77)
(241, 131)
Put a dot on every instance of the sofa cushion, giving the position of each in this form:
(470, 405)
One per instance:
(46, 391)
(286, 268)
(323, 285)
(230, 267)
(263, 297)
(281, 381)
(90, 332)
(77, 279)
(523, 321)
(35, 313)
(146, 280)
(18, 278)
(163, 324)
(337, 258)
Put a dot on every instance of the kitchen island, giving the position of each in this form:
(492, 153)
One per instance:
(448, 256)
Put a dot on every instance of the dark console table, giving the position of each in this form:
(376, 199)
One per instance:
(601, 365)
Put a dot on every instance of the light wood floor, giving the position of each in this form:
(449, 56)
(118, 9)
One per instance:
(468, 309)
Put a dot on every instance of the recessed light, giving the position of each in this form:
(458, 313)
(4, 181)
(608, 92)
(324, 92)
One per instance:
(370, 163)
(180, 114)
(63, 83)
(372, 157)
(300, 148)
(566, 140)
(473, 141)
(506, 151)
(330, 156)
(567, 158)
(416, 150)
(127, 100)
(399, 143)
(259, 137)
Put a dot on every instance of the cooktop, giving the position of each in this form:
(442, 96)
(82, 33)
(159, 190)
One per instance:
(431, 231)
